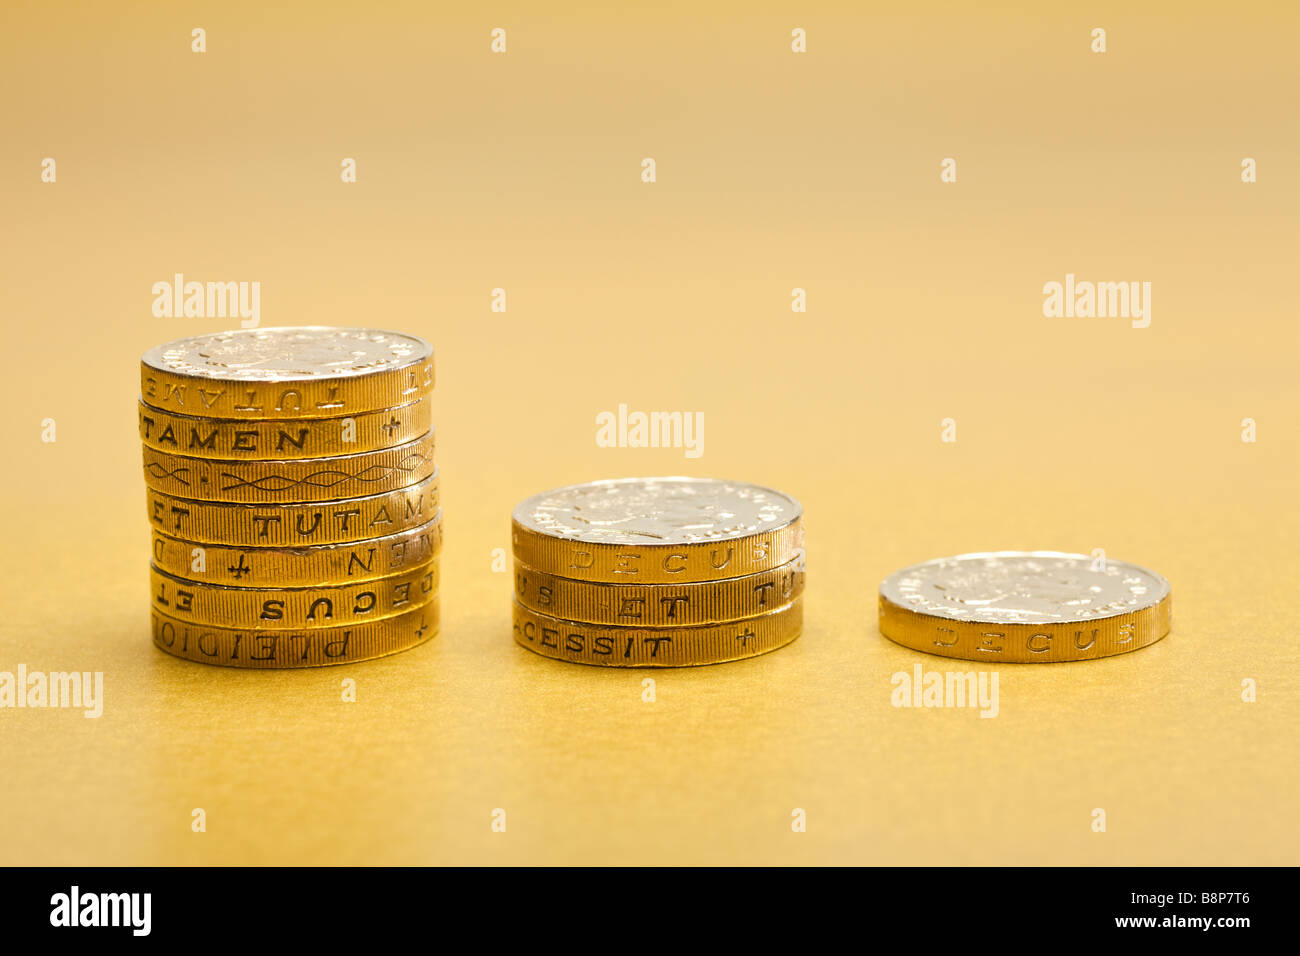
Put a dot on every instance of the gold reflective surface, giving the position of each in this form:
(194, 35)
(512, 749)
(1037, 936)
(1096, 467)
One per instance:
(923, 305)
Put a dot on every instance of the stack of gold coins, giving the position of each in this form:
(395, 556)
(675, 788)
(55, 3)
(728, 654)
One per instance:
(293, 495)
(657, 572)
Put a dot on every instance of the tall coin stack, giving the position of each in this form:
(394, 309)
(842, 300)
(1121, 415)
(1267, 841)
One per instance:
(657, 572)
(293, 495)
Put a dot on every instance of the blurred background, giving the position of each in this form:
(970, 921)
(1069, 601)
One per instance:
(775, 170)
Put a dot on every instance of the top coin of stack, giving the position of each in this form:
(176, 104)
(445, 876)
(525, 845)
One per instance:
(657, 572)
(293, 494)
(1022, 607)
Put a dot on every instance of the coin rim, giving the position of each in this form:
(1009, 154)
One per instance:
(232, 520)
(148, 358)
(1161, 579)
(587, 591)
(264, 498)
(793, 519)
(304, 554)
(910, 624)
(243, 424)
(433, 607)
(794, 606)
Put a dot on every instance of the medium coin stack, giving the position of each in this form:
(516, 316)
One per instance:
(1021, 607)
(293, 495)
(657, 572)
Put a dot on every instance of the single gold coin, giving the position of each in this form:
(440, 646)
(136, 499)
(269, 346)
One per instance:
(285, 438)
(613, 646)
(312, 566)
(240, 647)
(293, 608)
(295, 525)
(659, 605)
(303, 372)
(307, 479)
(1024, 607)
(657, 530)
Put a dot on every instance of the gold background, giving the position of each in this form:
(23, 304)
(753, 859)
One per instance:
(775, 170)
